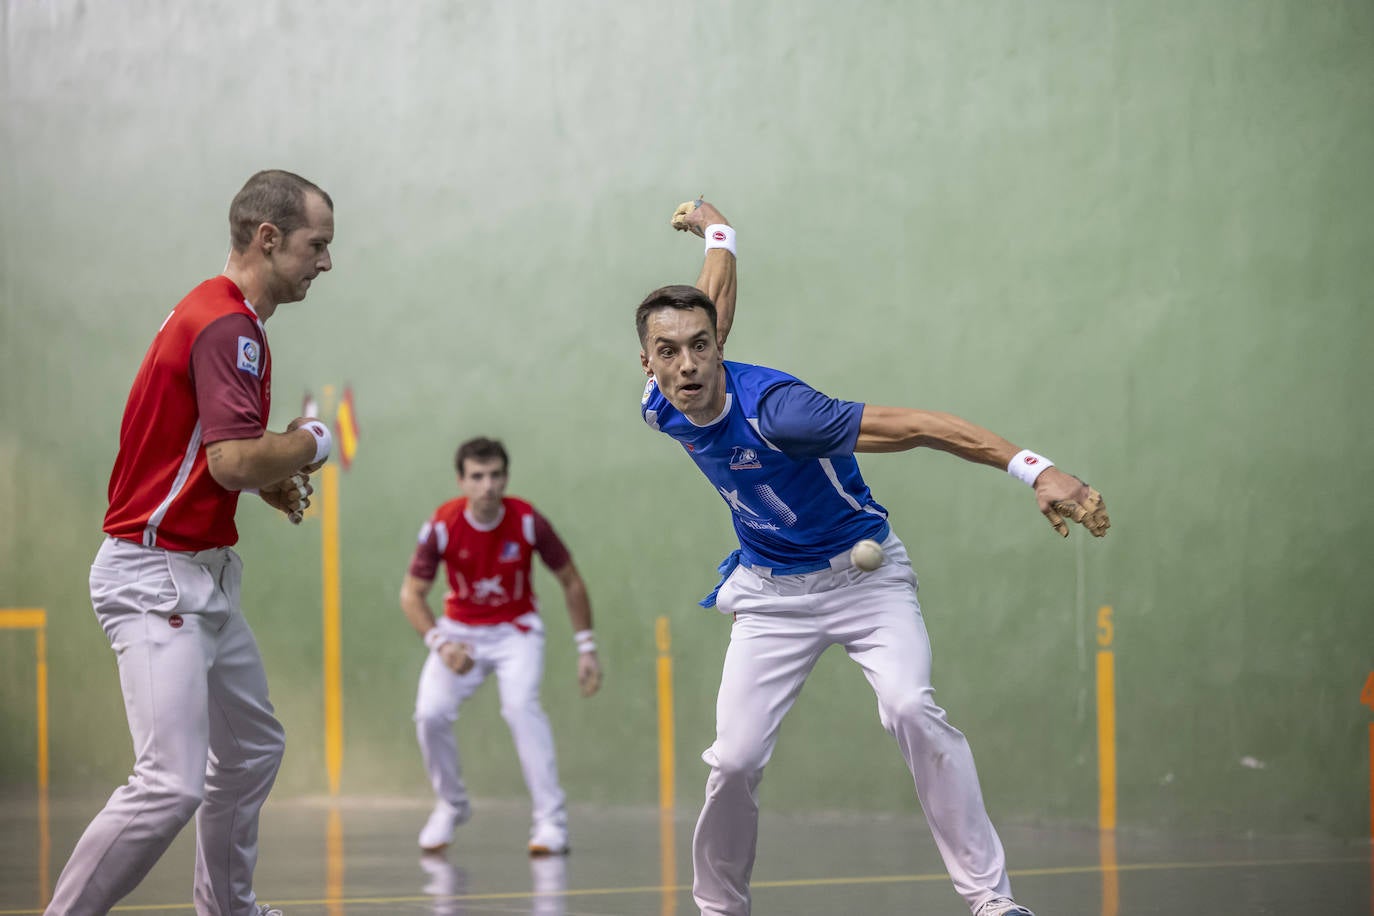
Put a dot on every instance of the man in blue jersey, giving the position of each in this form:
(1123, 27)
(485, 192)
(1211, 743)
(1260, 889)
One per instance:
(781, 455)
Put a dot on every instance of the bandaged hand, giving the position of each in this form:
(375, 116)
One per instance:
(457, 656)
(1062, 496)
(588, 673)
(290, 496)
(694, 216)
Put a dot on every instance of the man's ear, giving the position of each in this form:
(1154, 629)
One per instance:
(267, 237)
(644, 363)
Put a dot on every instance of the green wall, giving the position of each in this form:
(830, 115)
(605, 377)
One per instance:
(1132, 235)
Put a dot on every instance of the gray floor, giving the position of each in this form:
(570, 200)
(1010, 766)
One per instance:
(359, 858)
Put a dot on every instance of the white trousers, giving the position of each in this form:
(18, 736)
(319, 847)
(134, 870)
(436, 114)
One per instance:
(514, 652)
(782, 625)
(205, 740)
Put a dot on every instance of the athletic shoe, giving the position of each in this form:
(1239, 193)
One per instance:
(443, 820)
(548, 840)
(1002, 906)
(265, 910)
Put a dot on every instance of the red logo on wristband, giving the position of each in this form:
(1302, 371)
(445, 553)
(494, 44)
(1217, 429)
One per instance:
(718, 235)
(1031, 459)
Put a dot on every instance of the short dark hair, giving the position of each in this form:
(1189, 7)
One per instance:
(679, 296)
(480, 449)
(271, 196)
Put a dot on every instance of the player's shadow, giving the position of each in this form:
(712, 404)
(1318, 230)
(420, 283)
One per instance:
(447, 883)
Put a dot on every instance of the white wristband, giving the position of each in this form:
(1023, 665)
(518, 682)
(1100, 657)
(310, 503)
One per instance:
(324, 441)
(586, 641)
(719, 235)
(434, 638)
(1027, 465)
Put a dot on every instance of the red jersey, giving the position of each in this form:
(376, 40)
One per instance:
(489, 567)
(206, 377)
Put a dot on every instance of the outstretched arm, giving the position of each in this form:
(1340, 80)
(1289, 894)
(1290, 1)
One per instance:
(717, 277)
(1059, 495)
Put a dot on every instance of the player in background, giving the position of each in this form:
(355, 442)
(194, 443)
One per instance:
(781, 455)
(491, 625)
(165, 584)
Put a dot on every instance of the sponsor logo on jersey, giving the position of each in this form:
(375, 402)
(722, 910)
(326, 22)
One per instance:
(250, 355)
(510, 552)
(490, 587)
(744, 459)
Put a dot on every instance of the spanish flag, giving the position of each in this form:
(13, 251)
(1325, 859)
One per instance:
(346, 428)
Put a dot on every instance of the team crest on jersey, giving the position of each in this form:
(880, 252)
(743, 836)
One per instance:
(250, 356)
(510, 552)
(744, 459)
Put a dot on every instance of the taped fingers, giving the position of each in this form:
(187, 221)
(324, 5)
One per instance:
(1091, 514)
(679, 220)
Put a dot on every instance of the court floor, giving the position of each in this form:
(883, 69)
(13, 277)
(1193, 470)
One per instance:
(358, 857)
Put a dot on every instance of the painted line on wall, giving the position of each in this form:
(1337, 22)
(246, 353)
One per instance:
(36, 619)
(333, 626)
(1106, 761)
(667, 793)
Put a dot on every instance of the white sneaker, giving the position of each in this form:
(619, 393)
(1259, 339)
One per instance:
(443, 820)
(548, 840)
(265, 910)
(1002, 906)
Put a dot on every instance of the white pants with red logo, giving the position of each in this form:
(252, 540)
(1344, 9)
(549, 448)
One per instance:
(782, 625)
(205, 740)
(514, 652)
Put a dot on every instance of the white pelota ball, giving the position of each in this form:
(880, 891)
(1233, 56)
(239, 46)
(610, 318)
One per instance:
(867, 555)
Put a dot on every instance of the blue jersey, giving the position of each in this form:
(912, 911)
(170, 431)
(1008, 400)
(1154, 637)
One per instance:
(781, 455)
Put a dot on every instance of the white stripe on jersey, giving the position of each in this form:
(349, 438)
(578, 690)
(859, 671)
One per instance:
(835, 482)
(527, 526)
(178, 483)
(754, 422)
(441, 537)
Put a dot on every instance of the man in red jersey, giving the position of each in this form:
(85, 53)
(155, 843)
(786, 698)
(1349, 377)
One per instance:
(165, 583)
(491, 625)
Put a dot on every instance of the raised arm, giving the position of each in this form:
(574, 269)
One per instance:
(1059, 495)
(717, 277)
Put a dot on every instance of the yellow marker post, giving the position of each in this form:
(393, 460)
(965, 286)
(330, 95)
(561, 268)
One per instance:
(332, 641)
(1367, 698)
(667, 795)
(1106, 760)
(333, 627)
(36, 619)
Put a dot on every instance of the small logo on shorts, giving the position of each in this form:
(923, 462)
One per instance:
(175, 621)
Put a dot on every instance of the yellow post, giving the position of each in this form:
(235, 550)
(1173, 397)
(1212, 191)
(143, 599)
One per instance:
(36, 619)
(1106, 760)
(667, 796)
(333, 627)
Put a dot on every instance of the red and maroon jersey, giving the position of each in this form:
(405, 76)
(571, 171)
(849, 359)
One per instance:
(488, 568)
(206, 377)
